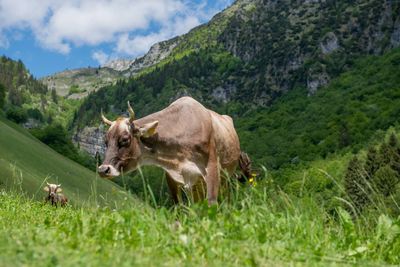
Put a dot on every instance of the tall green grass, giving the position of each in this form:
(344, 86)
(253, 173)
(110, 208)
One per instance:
(252, 226)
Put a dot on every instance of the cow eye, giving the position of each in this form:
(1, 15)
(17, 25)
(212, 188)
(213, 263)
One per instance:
(124, 141)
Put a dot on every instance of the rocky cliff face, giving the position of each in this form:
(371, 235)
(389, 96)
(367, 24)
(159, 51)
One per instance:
(91, 139)
(118, 64)
(157, 53)
(306, 41)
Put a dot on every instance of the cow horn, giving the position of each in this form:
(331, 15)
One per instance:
(131, 113)
(105, 120)
(59, 185)
(47, 183)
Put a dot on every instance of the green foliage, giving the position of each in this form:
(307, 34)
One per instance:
(23, 91)
(56, 137)
(342, 117)
(377, 180)
(385, 180)
(74, 89)
(35, 114)
(372, 162)
(356, 185)
(15, 97)
(54, 96)
(16, 114)
(2, 95)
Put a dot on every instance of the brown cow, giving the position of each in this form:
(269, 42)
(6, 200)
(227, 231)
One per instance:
(190, 142)
(54, 195)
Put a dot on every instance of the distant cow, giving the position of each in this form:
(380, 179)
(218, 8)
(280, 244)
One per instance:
(54, 195)
(190, 142)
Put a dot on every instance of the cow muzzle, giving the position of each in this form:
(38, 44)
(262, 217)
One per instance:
(108, 171)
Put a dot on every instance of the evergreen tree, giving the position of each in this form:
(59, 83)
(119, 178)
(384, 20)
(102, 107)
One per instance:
(385, 180)
(2, 95)
(344, 136)
(393, 141)
(385, 153)
(372, 162)
(394, 153)
(54, 96)
(356, 187)
(15, 97)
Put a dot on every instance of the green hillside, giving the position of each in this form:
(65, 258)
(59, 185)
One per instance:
(26, 164)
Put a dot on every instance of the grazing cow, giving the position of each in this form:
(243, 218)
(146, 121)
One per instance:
(190, 142)
(54, 195)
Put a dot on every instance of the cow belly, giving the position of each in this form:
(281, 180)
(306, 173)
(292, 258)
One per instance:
(188, 174)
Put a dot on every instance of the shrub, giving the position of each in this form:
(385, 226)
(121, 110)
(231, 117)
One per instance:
(35, 114)
(16, 114)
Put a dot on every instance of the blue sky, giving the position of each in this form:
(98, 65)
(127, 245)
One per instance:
(51, 35)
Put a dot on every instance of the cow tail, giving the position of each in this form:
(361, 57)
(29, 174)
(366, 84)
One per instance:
(245, 167)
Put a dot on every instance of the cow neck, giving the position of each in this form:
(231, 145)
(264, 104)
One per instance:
(158, 152)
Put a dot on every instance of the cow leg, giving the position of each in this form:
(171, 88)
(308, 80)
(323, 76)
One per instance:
(212, 176)
(173, 189)
(198, 192)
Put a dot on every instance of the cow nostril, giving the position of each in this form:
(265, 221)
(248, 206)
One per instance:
(107, 170)
(104, 169)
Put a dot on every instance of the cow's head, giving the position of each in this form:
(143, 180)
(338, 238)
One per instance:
(52, 189)
(124, 147)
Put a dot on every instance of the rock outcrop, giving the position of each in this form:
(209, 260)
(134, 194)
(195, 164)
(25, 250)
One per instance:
(91, 139)
(79, 83)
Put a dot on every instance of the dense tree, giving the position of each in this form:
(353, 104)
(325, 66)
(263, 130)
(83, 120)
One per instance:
(385, 180)
(2, 95)
(54, 96)
(16, 114)
(15, 97)
(372, 162)
(356, 187)
(35, 114)
(56, 137)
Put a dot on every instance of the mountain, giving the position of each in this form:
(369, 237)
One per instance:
(79, 83)
(85, 80)
(28, 101)
(254, 57)
(26, 163)
(157, 53)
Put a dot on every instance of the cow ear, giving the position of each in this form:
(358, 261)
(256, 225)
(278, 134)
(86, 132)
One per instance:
(148, 129)
(46, 188)
(59, 189)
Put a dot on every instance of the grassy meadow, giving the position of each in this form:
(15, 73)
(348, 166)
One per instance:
(255, 226)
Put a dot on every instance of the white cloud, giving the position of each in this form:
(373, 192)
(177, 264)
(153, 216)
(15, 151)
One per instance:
(62, 25)
(140, 44)
(100, 57)
(4, 43)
